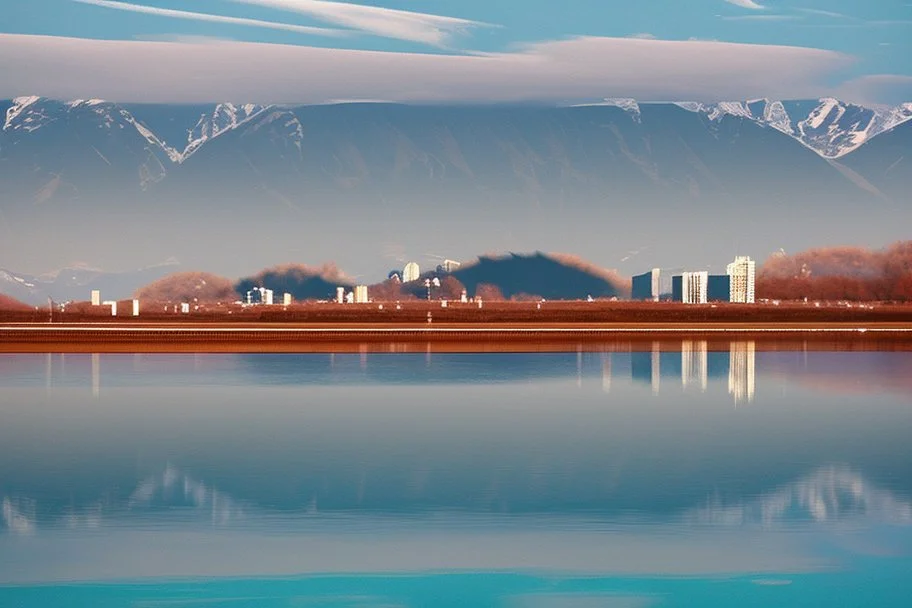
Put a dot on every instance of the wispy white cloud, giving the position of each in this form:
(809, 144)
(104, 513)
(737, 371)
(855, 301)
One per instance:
(758, 17)
(746, 4)
(578, 69)
(176, 14)
(823, 13)
(436, 30)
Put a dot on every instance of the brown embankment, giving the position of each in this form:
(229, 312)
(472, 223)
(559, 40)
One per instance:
(506, 326)
(491, 312)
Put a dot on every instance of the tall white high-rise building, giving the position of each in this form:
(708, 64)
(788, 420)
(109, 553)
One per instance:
(743, 273)
(411, 272)
(286, 299)
(694, 286)
(340, 295)
(361, 294)
(96, 297)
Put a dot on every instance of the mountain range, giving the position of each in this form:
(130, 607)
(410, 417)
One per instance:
(235, 187)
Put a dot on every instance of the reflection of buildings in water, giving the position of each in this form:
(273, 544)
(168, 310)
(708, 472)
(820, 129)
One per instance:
(829, 494)
(694, 363)
(650, 366)
(741, 370)
(606, 372)
(646, 367)
(96, 374)
(579, 367)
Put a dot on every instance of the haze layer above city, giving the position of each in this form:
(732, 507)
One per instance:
(250, 133)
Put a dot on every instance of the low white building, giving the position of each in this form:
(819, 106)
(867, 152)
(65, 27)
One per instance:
(361, 294)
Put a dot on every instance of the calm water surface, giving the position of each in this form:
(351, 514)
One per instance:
(682, 477)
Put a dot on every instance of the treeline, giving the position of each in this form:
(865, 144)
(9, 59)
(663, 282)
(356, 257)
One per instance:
(839, 273)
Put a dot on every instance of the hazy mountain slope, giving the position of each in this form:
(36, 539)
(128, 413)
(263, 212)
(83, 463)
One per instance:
(544, 157)
(233, 188)
(887, 162)
(75, 151)
(76, 284)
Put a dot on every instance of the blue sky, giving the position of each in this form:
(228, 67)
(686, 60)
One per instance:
(852, 48)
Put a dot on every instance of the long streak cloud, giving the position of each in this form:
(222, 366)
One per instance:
(194, 16)
(576, 69)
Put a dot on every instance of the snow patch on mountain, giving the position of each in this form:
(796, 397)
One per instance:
(835, 128)
(729, 108)
(625, 103)
(26, 115)
(19, 106)
(225, 117)
(897, 116)
(690, 106)
(831, 128)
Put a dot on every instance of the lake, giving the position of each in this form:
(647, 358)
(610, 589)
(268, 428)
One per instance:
(673, 474)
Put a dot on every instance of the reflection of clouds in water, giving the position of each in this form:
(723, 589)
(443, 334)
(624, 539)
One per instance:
(830, 494)
(18, 515)
(559, 600)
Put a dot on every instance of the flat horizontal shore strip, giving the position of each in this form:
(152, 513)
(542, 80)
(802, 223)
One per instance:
(492, 337)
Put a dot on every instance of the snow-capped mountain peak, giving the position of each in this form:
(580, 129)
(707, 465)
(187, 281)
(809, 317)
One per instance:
(19, 108)
(225, 117)
(830, 127)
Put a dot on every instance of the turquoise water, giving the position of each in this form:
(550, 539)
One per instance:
(673, 476)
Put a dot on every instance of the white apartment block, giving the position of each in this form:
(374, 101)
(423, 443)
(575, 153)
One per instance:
(743, 272)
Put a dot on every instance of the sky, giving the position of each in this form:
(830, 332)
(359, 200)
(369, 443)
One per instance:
(312, 51)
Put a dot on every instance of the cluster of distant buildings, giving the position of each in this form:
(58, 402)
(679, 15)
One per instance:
(97, 301)
(700, 287)
(410, 273)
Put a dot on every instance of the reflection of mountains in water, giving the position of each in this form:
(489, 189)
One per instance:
(829, 494)
(172, 491)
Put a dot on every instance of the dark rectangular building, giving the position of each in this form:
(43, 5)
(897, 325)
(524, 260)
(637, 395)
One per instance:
(677, 288)
(646, 286)
(718, 288)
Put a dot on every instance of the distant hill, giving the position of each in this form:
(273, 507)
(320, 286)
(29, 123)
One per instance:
(551, 276)
(301, 281)
(11, 304)
(189, 287)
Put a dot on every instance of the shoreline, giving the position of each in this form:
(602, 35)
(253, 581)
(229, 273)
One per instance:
(267, 337)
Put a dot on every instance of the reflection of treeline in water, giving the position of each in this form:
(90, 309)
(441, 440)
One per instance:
(839, 273)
